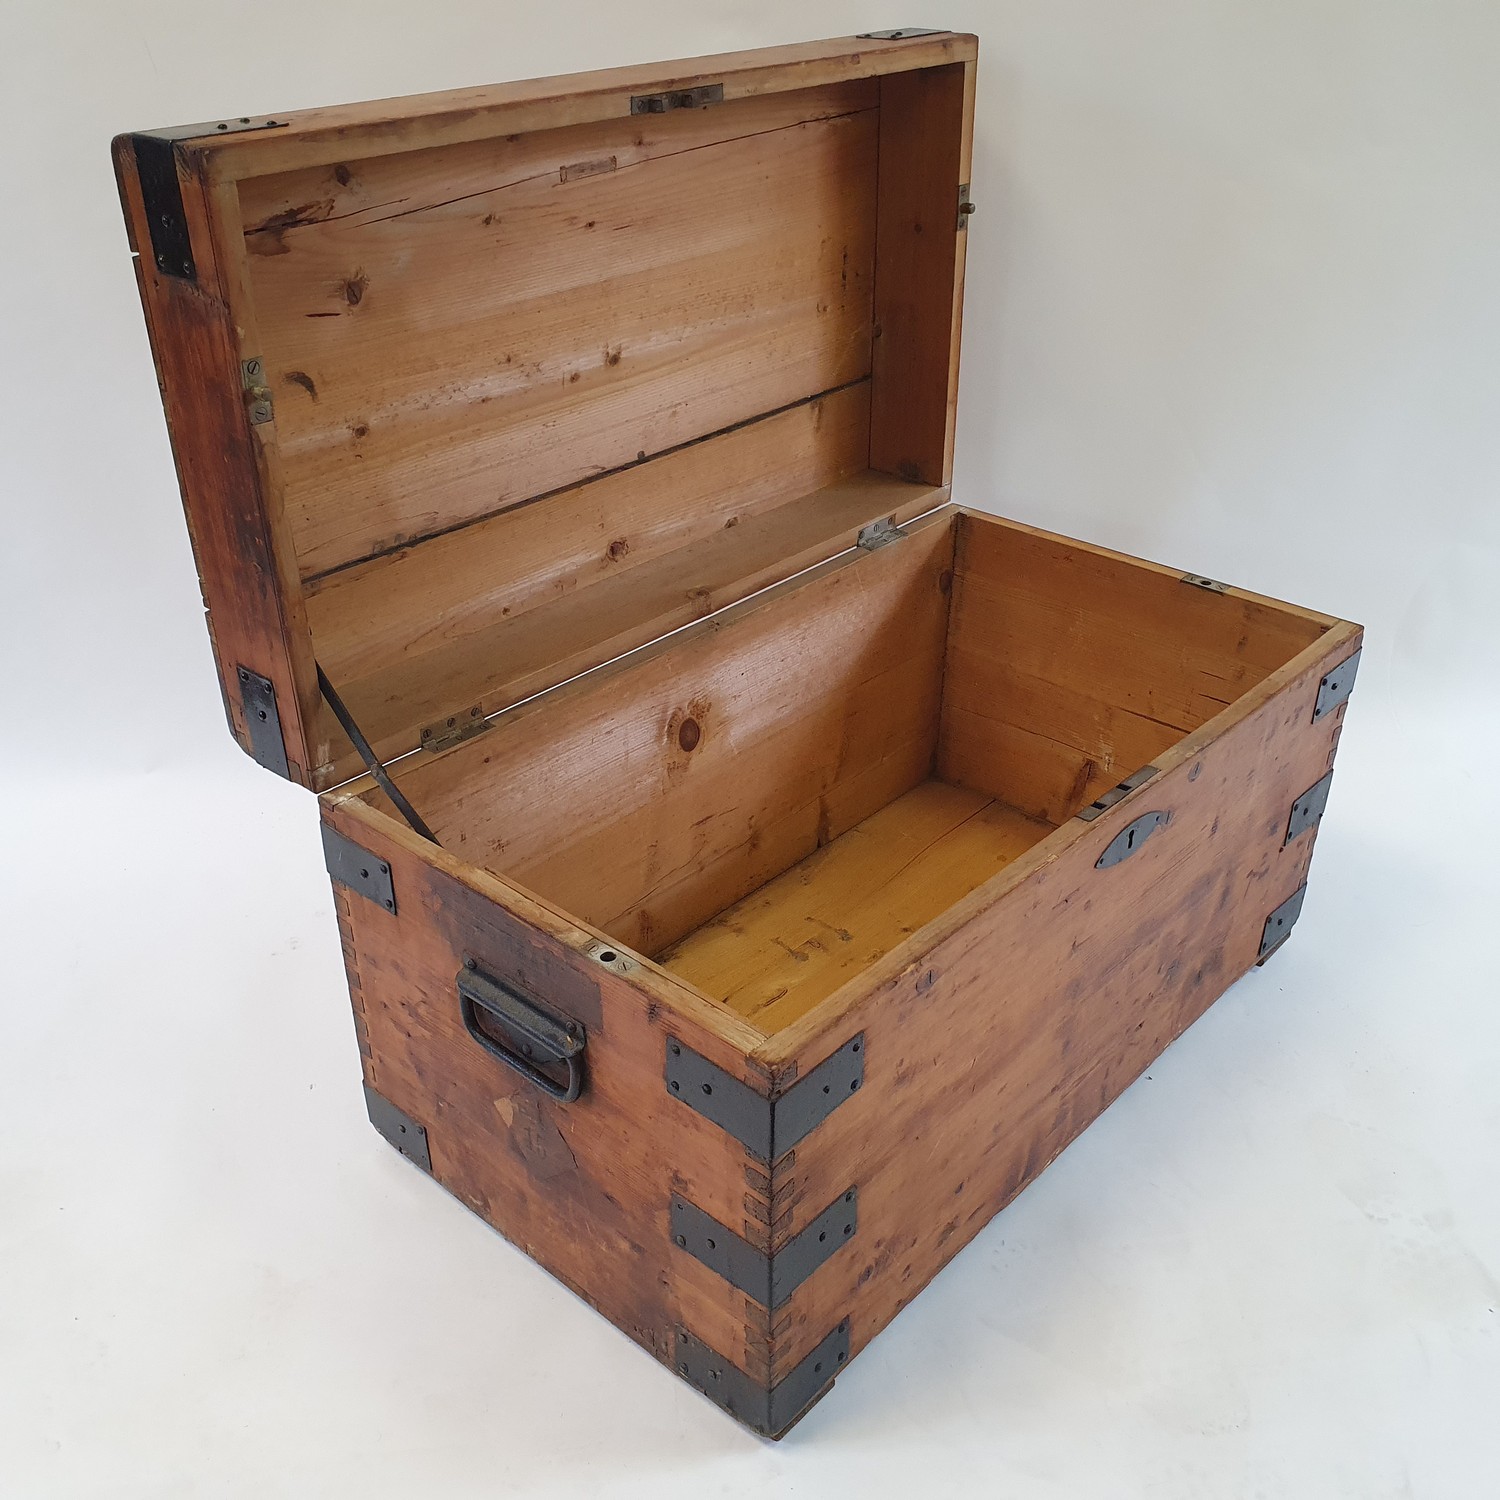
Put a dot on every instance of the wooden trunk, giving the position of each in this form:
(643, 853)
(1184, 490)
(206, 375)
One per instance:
(752, 867)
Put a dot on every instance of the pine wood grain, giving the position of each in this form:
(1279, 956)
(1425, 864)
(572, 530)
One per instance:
(280, 207)
(926, 127)
(812, 708)
(499, 654)
(386, 286)
(1011, 988)
(442, 364)
(1070, 667)
(551, 379)
(429, 598)
(999, 1033)
(580, 1186)
(350, 132)
(241, 543)
(777, 953)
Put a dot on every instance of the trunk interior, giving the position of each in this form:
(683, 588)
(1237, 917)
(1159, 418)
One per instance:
(768, 801)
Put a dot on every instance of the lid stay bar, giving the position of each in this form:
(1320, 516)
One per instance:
(371, 760)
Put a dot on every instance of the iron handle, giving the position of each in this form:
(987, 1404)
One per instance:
(538, 1039)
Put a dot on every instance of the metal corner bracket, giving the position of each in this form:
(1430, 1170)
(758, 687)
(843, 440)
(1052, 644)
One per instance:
(262, 721)
(357, 869)
(161, 187)
(1308, 808)
(1280, 923)
(1336, 686)
(768, 1277)
(767, 1128)
(768, 1412)
(398, 1127)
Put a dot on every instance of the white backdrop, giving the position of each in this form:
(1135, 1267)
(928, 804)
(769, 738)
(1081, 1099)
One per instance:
(1232, 304)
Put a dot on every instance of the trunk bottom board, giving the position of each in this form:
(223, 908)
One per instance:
(774, 955)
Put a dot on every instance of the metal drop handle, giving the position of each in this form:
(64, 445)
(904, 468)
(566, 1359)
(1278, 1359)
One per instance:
(534, 1038)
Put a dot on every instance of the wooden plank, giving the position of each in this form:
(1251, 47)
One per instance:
(926, 128)
(382, 187)
(777, 953)
(1070, 667)
(600, 799)
(314, 137)
(507, 657)
(584, 1187)
(992, 1039)
(443, 364)
(226, 227)
(246, 567)
(427, 600)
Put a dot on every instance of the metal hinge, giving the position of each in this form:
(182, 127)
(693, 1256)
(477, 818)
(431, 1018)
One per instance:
(694, 98)
(237, 126)
(768, 1128)
(879, 534)
(768, 1412)
(900, 34)
(454, 730)
(768, 1278)
(1336, 686)
(257, 392)
(965, 207)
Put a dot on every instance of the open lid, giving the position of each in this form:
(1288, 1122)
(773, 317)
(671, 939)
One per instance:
(474, 391)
